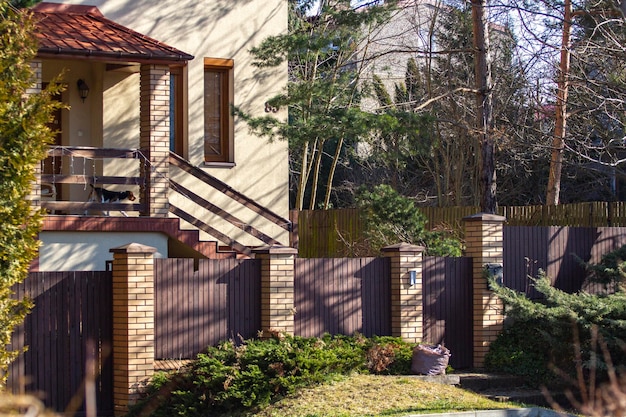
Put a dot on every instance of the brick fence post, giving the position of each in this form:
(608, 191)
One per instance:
(406, 296)
(484, 244)
(133, 322)
(277, 289)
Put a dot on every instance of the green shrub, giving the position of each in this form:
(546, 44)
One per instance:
(522, 349)
(611, 270)
(233, 377)
(389, 356)
(547, 333)
(391, 218)
(24, 136)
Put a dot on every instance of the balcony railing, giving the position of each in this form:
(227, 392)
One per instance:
(68, 166)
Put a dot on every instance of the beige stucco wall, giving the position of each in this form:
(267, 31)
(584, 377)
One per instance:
(89, 251)
(215, 29)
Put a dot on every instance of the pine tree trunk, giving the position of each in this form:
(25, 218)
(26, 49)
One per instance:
(484, 107)
(558, 142)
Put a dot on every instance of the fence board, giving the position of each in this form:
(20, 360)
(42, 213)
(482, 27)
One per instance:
(337, 233)
(447, 314)
(196, 308)
(342, 296)
(556, 250)
(72, 310)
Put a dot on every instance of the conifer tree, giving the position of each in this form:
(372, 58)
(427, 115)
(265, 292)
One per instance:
(403, 134)
(323, 96)
(560, 326)
(23, 140)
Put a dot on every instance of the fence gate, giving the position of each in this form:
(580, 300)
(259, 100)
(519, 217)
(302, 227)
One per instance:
(69, 327)
(447, 292)
(196, 307)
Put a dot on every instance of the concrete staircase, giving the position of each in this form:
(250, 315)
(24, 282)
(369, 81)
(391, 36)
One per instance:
(500, 387)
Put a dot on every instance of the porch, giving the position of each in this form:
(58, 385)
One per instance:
(193, 225)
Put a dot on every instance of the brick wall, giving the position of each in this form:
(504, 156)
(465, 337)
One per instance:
(133, 323)
(484, 243)
(277, 296)
(406, 296)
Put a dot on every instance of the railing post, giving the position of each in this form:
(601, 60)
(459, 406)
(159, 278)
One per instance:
(484, 244)
(154, 132)
(277, 289)
(133, 323)
(406, 291)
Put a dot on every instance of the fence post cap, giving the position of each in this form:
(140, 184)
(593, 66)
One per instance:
(133, 248)
(275, 250)
(403, 247)
(486, 217)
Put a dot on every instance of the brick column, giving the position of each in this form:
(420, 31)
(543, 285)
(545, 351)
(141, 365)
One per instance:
(154, 135)
(484, 243)
(133, 323)
(35, 194)
(406, 297)
(277, 299)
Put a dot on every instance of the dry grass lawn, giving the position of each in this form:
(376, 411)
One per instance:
(371, 395)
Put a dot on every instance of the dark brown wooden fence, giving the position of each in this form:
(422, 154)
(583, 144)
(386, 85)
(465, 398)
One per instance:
(69, 326)
(342, 296)
(220, 299)
(556, 250)
(199, 307)
(348, 295)
(337, 233)
(447, 318)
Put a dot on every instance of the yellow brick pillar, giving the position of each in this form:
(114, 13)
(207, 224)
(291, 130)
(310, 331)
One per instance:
(154, 134)
(277, 283)
(484, 244)
(406, 291)
(133, 322)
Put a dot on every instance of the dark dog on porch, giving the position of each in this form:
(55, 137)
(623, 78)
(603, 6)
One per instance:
(103, 195)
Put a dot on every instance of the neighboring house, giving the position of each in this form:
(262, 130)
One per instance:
(149, 86)
(407, 33)
(414, 30)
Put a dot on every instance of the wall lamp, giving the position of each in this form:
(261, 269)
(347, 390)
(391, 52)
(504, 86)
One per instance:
(83, 89)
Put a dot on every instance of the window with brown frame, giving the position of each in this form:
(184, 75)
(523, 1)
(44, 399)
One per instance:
(178, 110)
(218, 121)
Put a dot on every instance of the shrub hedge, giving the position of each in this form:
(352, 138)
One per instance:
(253, 373)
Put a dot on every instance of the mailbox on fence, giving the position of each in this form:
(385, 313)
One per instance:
(495, 271)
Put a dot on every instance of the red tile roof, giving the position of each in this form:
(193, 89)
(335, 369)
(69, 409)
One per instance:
(75, 31)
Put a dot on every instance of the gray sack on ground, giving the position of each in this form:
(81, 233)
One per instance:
(430, 360)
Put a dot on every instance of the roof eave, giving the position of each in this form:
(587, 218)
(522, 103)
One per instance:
(60, 53)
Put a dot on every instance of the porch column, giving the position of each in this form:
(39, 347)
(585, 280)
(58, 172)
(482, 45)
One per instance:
(277, 284)
(406, 293)
(484, 243)
(133, 323)
(37, 85)
(155, 138)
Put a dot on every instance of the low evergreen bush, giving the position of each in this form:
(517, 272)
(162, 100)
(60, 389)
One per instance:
(254, 373)
(564, 332)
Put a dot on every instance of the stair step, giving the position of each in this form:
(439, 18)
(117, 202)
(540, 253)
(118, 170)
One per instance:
(483, 381)
(505, 388)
